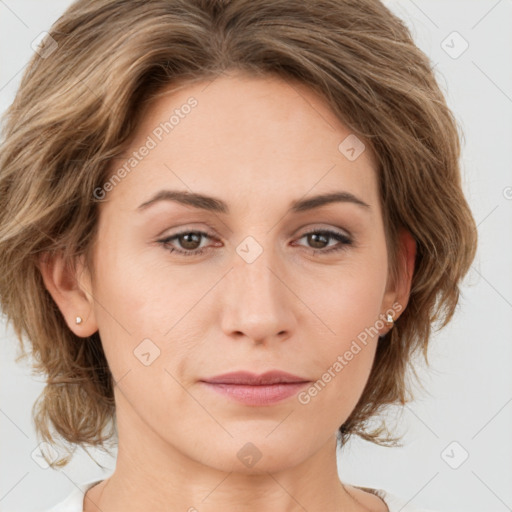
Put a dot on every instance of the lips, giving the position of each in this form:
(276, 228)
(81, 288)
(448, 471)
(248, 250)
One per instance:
(252, 379)
(256, 390)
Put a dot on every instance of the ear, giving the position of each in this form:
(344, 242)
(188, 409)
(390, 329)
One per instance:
(397, 294)
(71, 289)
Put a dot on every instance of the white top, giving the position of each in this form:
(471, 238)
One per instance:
(74, 502)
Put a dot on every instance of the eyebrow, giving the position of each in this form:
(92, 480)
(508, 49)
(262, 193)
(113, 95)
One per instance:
(216, 205)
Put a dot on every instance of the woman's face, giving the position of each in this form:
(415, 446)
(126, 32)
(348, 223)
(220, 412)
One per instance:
(192, 288)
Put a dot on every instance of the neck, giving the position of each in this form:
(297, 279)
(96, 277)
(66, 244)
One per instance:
(152, 474)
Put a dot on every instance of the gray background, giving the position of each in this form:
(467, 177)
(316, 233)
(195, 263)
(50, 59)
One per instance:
(467, 411)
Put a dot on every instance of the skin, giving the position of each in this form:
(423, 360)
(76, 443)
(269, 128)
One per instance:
(258, 144)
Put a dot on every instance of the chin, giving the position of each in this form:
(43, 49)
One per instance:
(258, 453)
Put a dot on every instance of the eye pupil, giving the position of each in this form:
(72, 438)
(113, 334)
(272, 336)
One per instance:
(187, 242)
(313, 237)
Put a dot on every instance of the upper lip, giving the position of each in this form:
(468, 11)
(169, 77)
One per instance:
(248, 378)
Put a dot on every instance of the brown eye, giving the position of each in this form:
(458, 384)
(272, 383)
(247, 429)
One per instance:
(319, 240)
(188, 241)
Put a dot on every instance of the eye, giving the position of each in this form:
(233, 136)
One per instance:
(190, 242)
(319, 239)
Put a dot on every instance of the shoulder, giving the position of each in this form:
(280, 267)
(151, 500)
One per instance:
(394, 503)
(74, 502)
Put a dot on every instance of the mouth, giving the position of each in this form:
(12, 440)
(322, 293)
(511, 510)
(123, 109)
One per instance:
(257, 390)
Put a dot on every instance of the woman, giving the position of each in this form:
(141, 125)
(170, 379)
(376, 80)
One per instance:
(235, 224)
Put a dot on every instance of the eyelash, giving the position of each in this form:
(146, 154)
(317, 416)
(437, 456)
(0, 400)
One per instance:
(345, 241)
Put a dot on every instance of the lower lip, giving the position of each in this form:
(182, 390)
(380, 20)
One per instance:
(258, 395)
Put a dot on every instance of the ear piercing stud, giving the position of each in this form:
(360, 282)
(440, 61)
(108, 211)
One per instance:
(78, 320)
(389, 321)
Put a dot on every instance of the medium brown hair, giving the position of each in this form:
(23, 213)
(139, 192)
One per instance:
(77, 107)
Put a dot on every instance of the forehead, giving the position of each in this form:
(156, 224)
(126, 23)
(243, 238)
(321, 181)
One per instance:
(245, 136)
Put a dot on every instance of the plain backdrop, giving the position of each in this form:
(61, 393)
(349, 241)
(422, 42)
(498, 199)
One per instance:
(457, 453)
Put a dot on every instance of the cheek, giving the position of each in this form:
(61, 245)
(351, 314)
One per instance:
(348, 300)
(343, 367)
(124, 306)
(143, 305)
(130, 287)
(349, 311)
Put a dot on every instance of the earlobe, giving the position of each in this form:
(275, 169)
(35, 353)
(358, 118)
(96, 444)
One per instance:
(72, 297)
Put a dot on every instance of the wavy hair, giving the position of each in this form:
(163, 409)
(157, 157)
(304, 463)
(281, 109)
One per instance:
(80, 100)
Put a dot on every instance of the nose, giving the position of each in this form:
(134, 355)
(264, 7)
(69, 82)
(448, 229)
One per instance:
(258, 303)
